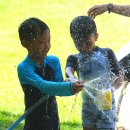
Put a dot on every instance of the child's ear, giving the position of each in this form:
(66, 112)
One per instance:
(96, 37)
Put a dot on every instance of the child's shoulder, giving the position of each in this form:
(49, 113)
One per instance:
(72, 58)
(73, 55)
(104, 49)
(23, 66)
(52, 57)
(52, 61)
(107, 51)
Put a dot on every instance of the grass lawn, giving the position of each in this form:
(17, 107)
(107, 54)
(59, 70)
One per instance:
(113, 32)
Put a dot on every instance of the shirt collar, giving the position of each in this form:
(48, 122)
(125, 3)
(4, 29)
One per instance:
(31, 62)
(93, 50)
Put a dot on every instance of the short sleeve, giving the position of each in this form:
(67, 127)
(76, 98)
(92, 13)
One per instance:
(72, 62)
(125, 63)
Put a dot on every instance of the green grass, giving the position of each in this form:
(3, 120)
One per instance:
(113, 32)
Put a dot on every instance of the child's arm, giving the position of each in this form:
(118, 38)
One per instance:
(71, 67)
(70, 74)
(118, 74)
(118, 80)
(100, 9)
(125, 63)
(27, 76)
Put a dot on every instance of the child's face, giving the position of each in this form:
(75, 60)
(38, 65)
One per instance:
(86, 48)
(40, 46)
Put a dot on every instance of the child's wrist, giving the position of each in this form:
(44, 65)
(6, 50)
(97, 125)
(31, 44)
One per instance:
(72, 87)
(109, 7)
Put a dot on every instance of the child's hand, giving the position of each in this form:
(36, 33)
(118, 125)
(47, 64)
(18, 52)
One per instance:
(77, 86)
(118, 82)
(97, 10)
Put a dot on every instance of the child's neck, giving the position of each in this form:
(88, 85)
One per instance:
(37, 60)
(89, 52)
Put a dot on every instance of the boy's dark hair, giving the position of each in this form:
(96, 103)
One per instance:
(81, 28)
(31, 28)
